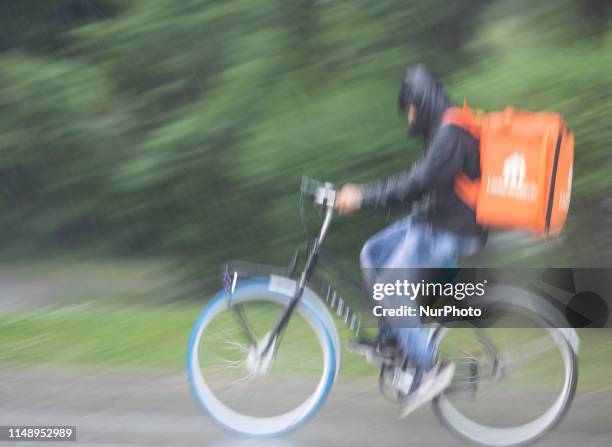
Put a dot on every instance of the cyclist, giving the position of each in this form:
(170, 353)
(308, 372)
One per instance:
(439, 230)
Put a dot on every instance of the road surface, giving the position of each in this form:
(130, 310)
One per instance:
(147, 409)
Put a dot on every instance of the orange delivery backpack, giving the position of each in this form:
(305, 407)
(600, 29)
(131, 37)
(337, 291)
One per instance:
(526, 161)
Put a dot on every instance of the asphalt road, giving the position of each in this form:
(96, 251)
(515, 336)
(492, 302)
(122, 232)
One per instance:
(146, 409)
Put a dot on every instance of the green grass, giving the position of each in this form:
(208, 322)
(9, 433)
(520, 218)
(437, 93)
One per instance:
(98, 337)
(131, 338)
(140, 337)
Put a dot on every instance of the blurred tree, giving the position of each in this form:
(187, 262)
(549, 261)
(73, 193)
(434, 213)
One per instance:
(41, 26)
(59, 127)
(182, 128)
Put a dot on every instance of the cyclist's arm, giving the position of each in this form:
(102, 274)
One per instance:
(438, 168)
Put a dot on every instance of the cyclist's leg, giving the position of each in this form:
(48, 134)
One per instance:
(394, 251)
(377, 250)
(422, 247)
(379, 247)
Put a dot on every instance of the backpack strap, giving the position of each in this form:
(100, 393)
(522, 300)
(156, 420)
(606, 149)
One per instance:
(463, 117)
(467, 189)
(469, 120)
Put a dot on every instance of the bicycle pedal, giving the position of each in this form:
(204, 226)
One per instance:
(394, 383)
(402, 380)
(374, 354)
(356, 347)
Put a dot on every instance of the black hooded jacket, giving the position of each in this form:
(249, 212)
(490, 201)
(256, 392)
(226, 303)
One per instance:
(429, 184)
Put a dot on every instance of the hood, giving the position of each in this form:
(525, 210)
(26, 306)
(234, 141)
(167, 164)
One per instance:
(421, 88)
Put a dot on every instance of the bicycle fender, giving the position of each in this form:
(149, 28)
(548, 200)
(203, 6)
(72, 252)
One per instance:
(516, 296)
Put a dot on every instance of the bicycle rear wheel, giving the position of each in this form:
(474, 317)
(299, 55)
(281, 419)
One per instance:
(245, 391)
(513, 398)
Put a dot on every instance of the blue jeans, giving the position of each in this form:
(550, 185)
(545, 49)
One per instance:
(411, 244)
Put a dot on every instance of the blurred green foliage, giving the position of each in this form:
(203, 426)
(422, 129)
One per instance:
(150, 127)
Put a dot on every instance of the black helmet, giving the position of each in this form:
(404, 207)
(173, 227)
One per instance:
(421, 88)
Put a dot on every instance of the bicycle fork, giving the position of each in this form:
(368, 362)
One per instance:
(309, 267)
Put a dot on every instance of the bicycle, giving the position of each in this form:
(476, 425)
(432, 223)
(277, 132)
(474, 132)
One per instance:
(270, 334)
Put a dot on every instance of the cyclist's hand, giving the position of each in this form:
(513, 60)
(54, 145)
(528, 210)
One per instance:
(348, 199)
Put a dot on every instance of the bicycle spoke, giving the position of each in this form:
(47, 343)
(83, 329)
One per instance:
(486, 341)
(246, 328)
(530, 350)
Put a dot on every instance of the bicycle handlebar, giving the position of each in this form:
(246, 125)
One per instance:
(324, 193)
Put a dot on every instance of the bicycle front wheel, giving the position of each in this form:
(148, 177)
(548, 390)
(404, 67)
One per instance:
(253, 394)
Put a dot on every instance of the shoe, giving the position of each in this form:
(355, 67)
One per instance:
(426, 387)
